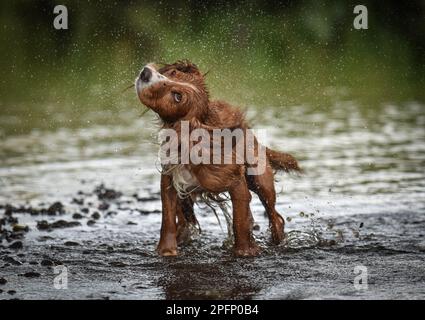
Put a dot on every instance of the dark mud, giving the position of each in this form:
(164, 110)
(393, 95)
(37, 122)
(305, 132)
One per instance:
(114, 257)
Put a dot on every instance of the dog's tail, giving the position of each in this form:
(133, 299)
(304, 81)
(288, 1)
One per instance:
(283, 161)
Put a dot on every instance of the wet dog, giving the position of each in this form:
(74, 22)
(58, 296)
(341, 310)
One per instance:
(178, 94)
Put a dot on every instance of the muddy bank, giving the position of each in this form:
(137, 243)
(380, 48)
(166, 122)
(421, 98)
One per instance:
(106, 240)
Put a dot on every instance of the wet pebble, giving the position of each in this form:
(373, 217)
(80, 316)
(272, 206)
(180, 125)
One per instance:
(103, 206)
(16, 245)
(45, 238)
(56, 208)
(77, 216)
(11, 292)
(71, 244)
(91, 222)
(3, 281)
(118, 264)
(12, 261)
(96, 215)
(31, 274)
(20, 228)
(44, 225)
(79, 202)
(144, 212)
(104, 193)
(47, 263)
(145, 199)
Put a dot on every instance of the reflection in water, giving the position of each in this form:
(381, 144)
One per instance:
(197, 280)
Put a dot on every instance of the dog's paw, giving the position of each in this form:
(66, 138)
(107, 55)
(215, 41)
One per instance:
(167, 251)
(251, 251)
(277, 229)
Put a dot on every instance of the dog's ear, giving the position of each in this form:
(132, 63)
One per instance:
(187, 66)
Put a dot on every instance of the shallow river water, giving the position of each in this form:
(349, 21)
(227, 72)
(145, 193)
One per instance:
(360, 203)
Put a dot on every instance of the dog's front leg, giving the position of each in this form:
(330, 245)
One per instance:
(168, 240)
(242, 220)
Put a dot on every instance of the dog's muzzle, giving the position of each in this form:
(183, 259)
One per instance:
(146, 74)
(147, 77)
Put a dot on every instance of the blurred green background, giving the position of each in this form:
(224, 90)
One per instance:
(259, 54)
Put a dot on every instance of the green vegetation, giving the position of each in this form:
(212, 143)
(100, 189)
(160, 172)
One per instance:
(258, 54)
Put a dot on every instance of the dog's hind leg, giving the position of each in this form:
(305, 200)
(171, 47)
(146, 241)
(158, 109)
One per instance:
(187, 224)
(263, 186)
(242, 222)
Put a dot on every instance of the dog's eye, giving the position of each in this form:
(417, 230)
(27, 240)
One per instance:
(173, 73)
(177, 97)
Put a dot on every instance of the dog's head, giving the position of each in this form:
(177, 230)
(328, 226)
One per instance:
(175, 91)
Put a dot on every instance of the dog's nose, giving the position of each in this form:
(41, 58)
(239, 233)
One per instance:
(146, 74)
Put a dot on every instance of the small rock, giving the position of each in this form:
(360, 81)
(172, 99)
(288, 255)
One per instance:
(91, 222)
(3, 281)
(77, 216)
(118, 264)
(20, 227)
(65, 224)
(47, 263)
(11, 292)
(71, 243)
(31, 274)
(131, 223)
(45, 238)
(85, 210)
(96, 215)
(43, 225)
(144, 212)
(55, 208)
(16, 245)
(104, 193)
(79, 202)
(103, 206)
